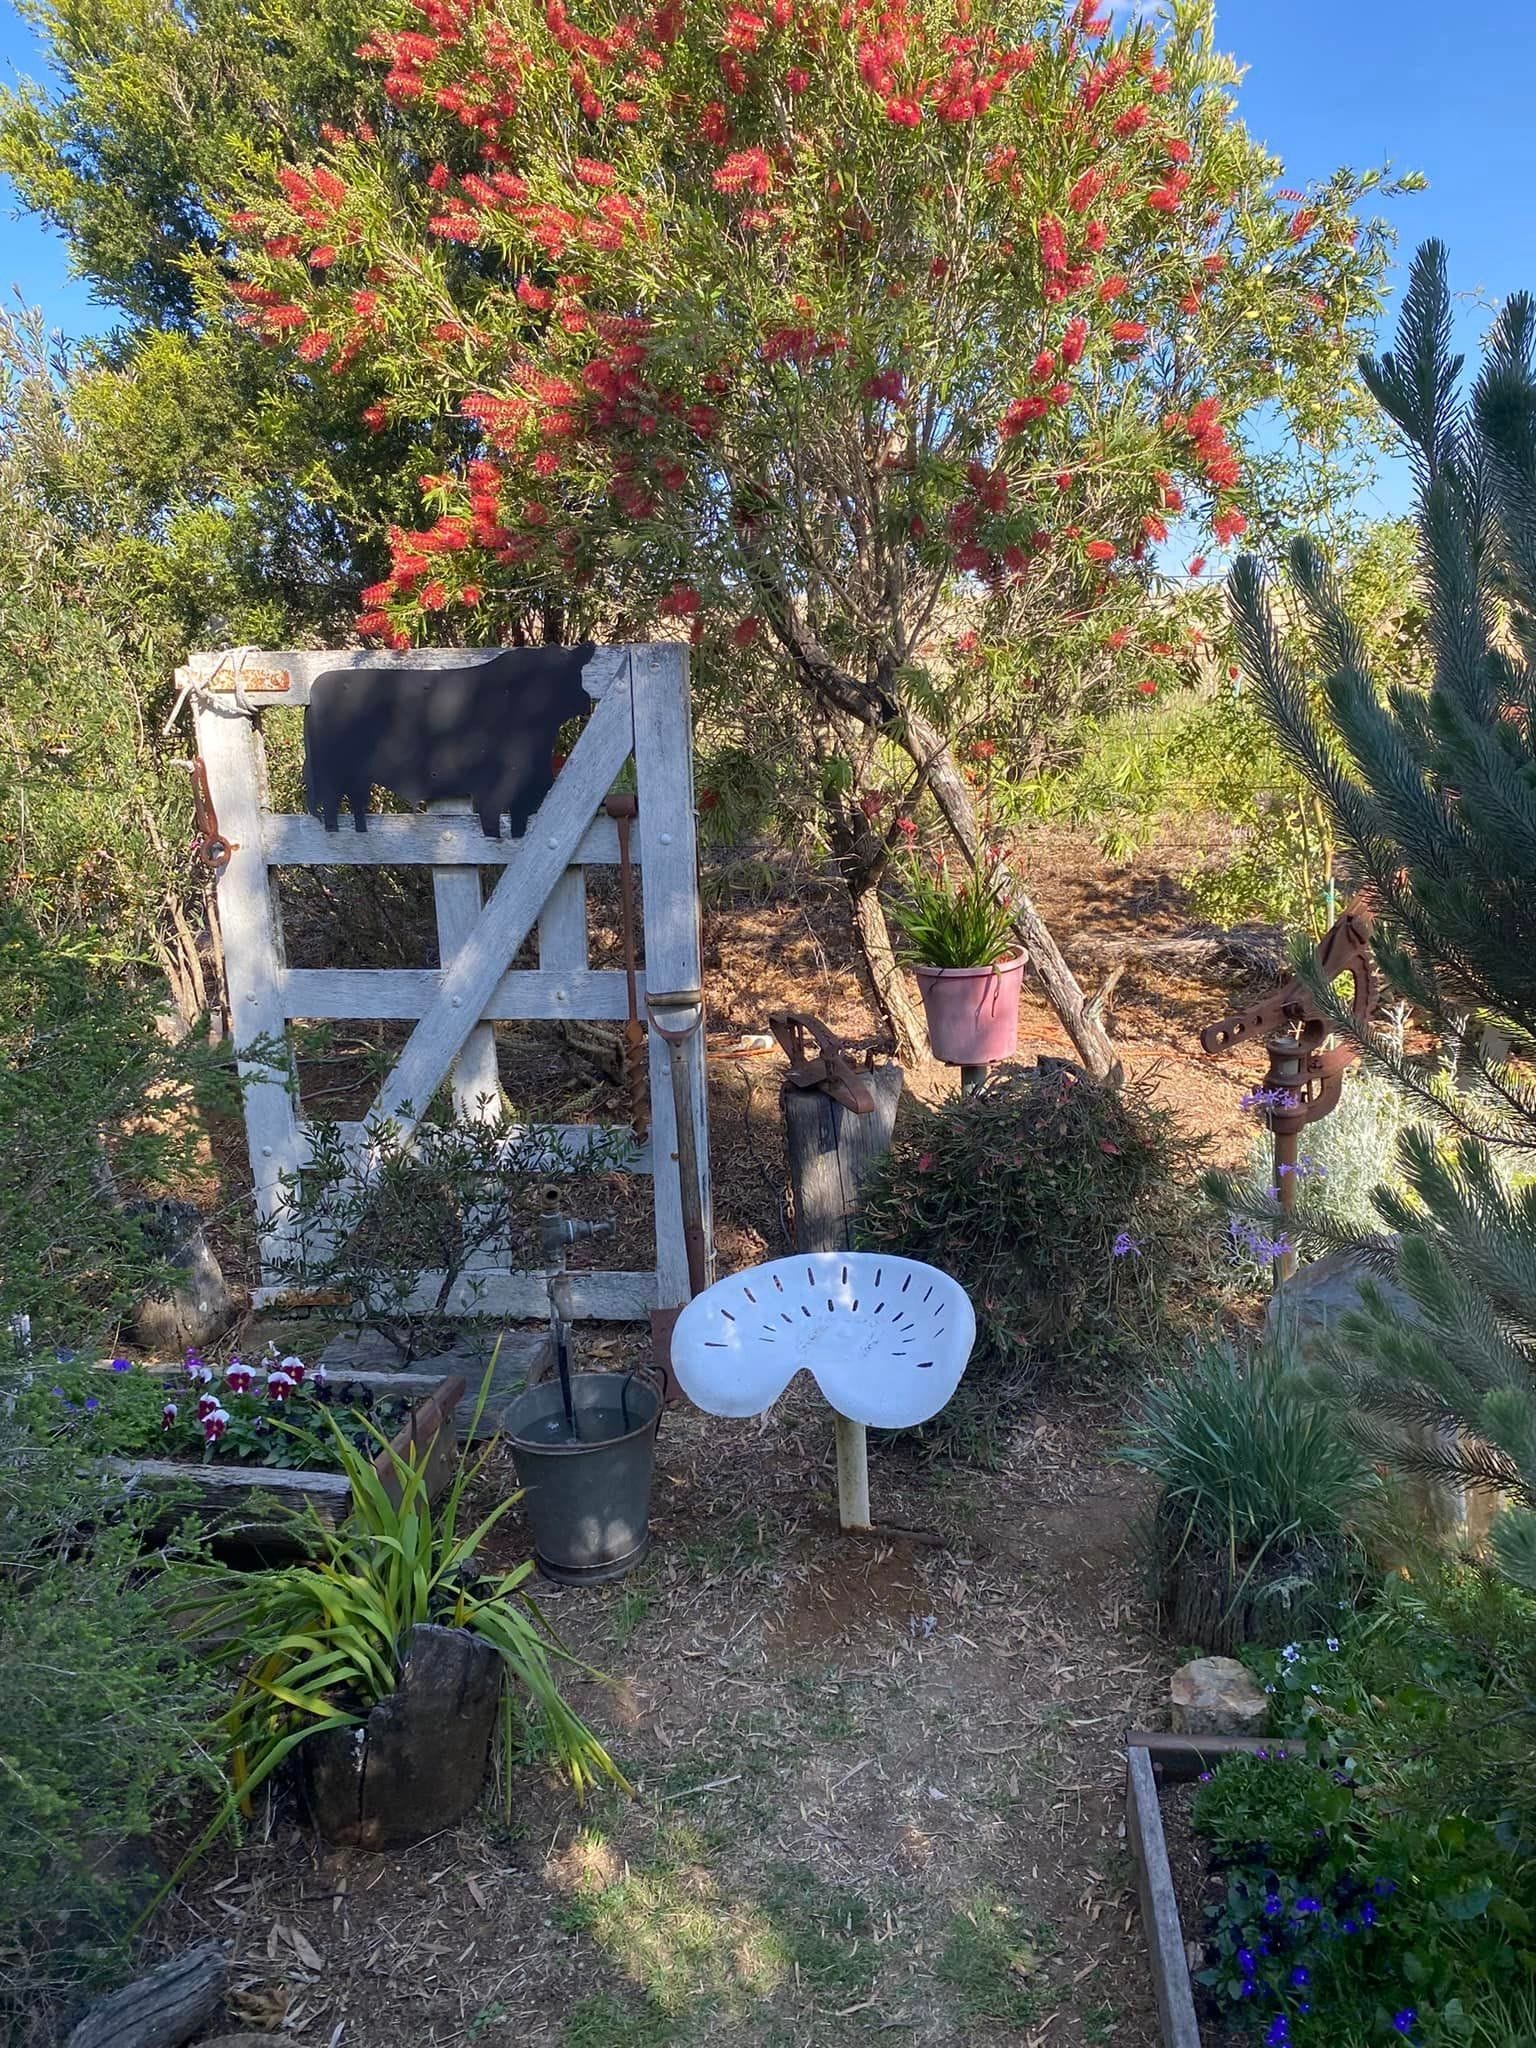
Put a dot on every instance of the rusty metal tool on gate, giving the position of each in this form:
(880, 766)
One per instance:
(675, 1037)
(624, 810)
(209, 843)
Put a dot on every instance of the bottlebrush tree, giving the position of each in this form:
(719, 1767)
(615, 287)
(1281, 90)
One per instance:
(827, 334)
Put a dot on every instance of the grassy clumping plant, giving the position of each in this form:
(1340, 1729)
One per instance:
(108, 1731)
(950, 922)
(320, 1643)
(1055, 1201)
(1259, 1491)
(1430, 792)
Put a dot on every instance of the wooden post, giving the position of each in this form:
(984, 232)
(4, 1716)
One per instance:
(972, 1078)
(830, 1148)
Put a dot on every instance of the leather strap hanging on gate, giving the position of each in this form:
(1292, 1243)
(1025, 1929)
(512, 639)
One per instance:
(624, 810)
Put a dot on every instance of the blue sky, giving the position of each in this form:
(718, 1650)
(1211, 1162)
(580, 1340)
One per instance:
(1447, 90)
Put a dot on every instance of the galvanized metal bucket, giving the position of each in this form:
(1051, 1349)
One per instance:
(587, 1502)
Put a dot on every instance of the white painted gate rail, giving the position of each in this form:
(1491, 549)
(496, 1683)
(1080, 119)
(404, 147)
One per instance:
(640, 709)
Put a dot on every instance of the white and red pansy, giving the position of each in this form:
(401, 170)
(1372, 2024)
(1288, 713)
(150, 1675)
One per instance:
(206, 1403)
(294, 1367)
(280, 1384)
(238, 1377)
(215, 1422)
(168, 1415)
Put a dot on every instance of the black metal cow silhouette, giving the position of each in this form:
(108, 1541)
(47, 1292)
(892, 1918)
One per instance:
(486, 731)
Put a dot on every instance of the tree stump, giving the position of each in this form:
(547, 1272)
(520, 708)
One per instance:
(416, 1764)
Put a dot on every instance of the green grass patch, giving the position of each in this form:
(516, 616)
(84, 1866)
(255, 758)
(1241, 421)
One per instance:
(603, 2021)
(991, 1962)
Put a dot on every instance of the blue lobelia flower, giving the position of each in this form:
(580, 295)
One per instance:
(1300, 1975)
(122, 1365)
(1247, 1962)
(1279, 2035)
(91, 1403)
(1307, 1904)
(1404, 2020)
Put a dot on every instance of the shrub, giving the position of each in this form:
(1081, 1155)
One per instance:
(1259, 1488)
(106, 1724)
(1054, 1201)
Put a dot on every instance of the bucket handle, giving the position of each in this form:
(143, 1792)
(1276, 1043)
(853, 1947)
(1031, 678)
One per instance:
(651, 1377)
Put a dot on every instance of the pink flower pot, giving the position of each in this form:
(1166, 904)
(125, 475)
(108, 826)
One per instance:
(973, 1012)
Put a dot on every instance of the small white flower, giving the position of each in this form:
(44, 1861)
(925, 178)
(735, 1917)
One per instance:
(1290, 1653)
(1333, 1643)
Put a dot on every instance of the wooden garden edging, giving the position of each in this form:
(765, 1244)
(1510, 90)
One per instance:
(1151, 1759)
(211, 1491)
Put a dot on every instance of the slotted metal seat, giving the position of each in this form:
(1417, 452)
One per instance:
(886, 1339)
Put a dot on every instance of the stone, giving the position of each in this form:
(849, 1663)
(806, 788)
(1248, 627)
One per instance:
(199, 1307)
(1216, 1696)
(1311, 1303)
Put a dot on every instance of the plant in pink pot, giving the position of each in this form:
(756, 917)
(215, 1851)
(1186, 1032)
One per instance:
(968, 964)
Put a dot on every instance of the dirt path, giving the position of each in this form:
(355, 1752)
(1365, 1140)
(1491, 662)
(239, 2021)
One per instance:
(878, 1785)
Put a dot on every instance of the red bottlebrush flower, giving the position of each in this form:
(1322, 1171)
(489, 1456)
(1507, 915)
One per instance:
(1118, 638)
(1085, 191)
(746, 632)
(1095, 235)
(374, 625)
(1059, 394)
(1022, 413)
(434, 596)
(1196, 566)
(1064, 480)
(872, 803)
(534, 296)
(680, 602)
(1228, 525)
(1053, 243)
(315, 347)
(749, 170)
(1043, 366)
(1190, 302)
(439, 178)
(1173, 498)
(886, 384)
(904, 113)
(1099, 550)
(708, 800)
(1161, 79)
(626, 111)
(744, 30)
(1146, 687)
(1074, 341)
(715, 124)
(733, 72)
(1133, 118)
(983, 750)
(1303, 223)
(322, 258)
(1129, 330)
(1179, 150)
(796, 81)
(591, 172)
(1111, 288)
(1154, 527)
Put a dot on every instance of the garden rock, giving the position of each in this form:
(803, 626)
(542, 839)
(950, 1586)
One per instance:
(1216, 1696)
(416, 1764)
(200, 1306)
(1312, 1302)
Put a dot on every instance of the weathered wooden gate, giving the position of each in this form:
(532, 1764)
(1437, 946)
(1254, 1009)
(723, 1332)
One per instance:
(640, 710)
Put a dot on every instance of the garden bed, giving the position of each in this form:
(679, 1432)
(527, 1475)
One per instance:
(217, 1493)
(1153, 1761)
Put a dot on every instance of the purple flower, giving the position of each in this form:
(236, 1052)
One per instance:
(1368, 1914)
(91, 1403)
(1247, 1961)
(1125, 1246)
(1404, 2020)
(1307, 1904)
(1301, 1975)
(122, 1365)
(1263, 1100)
(1279, 2034)
(59, 1394)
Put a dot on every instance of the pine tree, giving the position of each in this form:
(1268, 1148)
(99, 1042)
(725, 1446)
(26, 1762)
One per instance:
(1433, 793)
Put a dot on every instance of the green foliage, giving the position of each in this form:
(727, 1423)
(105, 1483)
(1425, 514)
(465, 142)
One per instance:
(106, 1733)
(320, 1643)
(1054, 1201)
(1248, 1459)
(81, 1055)
(1429, 786)
(442, 1200)
(1267, 1803)
(954, 921)
(1414, 1891)
(991, 1961)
